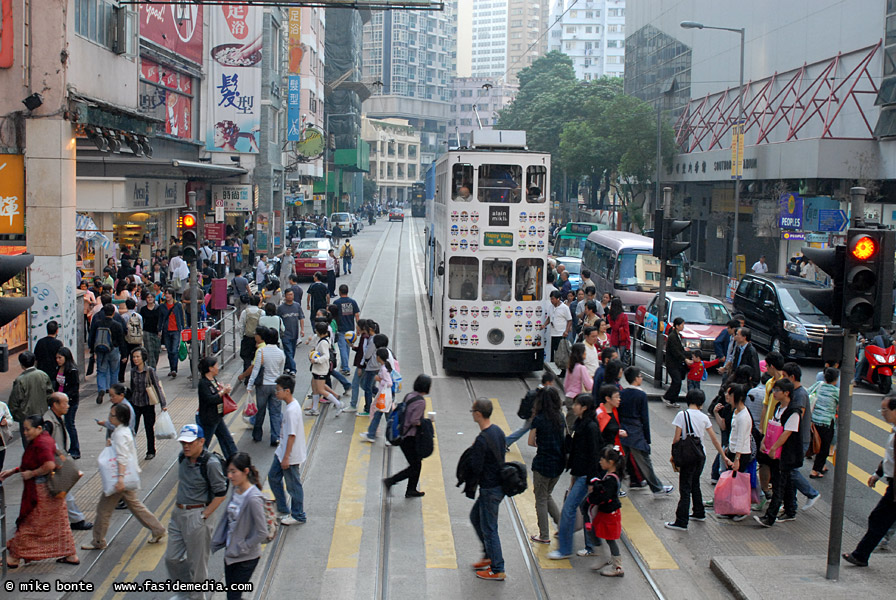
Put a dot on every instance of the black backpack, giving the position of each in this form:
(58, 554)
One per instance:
(202, 461)
(426, 435)
(512, 474)
(527, 404)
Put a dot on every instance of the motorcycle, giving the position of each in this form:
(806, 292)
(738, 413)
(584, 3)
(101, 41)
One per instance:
(880, 360)
(371, 220)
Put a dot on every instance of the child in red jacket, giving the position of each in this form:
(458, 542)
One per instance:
(697, 368)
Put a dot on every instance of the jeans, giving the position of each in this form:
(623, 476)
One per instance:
(693, 385)
(239, 572)
(415, 463)
(264, 397)
(346, 264)
(293, 477)
(783, 490)
(225, 440)
(484, 517)
(172, 345)
(516, 435)
(356, 386)
(289, 349)
(74, 448)
(880, 521)
(645, 465)
(544, 502)
(690, 493)
(574, 498)
(367, 384)
(107, 369)
(148, 413)
(801, 484)
(342, 343)
(374, 424)
(346, 384)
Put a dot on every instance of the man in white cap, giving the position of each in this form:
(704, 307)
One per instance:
(201, 489)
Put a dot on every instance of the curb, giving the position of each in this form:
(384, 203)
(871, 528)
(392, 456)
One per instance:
(728, 581)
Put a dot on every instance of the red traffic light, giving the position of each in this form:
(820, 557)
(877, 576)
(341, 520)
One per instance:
(864, 248)
(189, 221)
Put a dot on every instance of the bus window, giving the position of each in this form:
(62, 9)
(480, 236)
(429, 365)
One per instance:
(496, 273)
(640, 271)
(500, 183)
(462, 182)
(463, 277)
(529, 277)
(536, 178)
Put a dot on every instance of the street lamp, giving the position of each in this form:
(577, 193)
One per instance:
(740, 112)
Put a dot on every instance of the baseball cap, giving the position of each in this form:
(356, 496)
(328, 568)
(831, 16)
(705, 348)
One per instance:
(190, 433)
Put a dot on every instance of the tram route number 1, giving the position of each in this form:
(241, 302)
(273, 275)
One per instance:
(499, 216)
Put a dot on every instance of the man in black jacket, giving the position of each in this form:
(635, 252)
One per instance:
(675, 362)
(45, 350)
(486, 461)
(745, 354)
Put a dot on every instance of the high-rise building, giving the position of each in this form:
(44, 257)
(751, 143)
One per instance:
(476, 101)
(592, 34)
(507, 36)
(409, 58)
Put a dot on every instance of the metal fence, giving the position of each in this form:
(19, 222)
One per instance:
(709, 282)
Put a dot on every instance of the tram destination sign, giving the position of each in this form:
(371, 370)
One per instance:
(496, 239)
(499, 216)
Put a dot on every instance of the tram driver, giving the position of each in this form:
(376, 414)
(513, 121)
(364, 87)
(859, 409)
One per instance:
(496, 281)
(464, 194)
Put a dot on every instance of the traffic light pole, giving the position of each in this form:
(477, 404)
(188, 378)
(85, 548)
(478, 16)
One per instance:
(661, 302)
(195, 299)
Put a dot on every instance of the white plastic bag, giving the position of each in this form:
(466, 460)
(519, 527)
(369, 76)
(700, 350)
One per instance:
(108, 468)
(164, 427)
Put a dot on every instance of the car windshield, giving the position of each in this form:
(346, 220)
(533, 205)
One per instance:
(700, 313)
(574, 268)
(322, 254)
(311, 243)
(639, 271)
(569, 246)
(793, 302)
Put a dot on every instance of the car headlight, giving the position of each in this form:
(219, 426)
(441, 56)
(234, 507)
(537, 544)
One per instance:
(880, 359)
(691, 344)
(794, 327)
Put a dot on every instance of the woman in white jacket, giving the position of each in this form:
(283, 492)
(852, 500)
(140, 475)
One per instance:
(320, 368)
(122, 441)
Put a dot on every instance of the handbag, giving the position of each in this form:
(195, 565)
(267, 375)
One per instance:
(151, 392)
(732, 494)
(270, 518)
(229, 404)
(63, 478)
(91, 364)
(814, 442)
(688, 450)
(772, 433)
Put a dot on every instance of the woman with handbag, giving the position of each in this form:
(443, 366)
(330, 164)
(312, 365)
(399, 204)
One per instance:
(146, 392)
(42, 529)
(68, 381)
(211, 407)
(126, 458)
(244, 526)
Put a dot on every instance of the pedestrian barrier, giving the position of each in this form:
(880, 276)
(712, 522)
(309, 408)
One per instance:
(709, 282)
(3, 528)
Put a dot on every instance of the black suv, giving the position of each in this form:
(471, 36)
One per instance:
(780, 317)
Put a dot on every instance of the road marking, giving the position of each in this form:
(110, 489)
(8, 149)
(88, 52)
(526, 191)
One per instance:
(872, 419)
(860, 475)
(345, 547)
(642, 537)
(866, 443)
(525, 502)
(438, 538)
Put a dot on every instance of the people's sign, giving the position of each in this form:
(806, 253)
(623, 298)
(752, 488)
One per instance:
(791, 212)
(12, 194)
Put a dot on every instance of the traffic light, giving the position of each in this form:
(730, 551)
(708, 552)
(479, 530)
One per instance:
(188, 226)
(868, 285)
(10, 266)
(833, 262)
(671, 229)
(658, 233)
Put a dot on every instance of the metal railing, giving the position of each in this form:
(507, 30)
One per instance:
(219, 346)
(709, 282)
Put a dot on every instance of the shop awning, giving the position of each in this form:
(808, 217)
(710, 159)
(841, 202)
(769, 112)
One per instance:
(94, 164)
(202, 170)
(86, 228)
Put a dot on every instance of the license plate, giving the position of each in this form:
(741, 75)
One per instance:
(312, 265)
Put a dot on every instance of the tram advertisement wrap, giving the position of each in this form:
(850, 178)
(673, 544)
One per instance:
(235, 79)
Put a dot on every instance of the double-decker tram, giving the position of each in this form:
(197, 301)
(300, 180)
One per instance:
(487, 246)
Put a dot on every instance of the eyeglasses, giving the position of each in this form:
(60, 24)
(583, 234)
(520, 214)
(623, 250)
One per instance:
(473, 410)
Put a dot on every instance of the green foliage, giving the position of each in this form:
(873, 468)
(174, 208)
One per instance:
(370, 189)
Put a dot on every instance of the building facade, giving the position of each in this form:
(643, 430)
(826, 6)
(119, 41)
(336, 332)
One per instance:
(475, 101)
(394, 157)
(507, 37)
(817, 117)
(592, 34)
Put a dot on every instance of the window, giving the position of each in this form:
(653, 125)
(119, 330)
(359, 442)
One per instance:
(463, 277)
(529, 278)
(570, 30)
(616, 12)
(412, 151)
(97, 20)
(496, 277)
(462, 176)
(536, 178)
(500, 183)
(599, 259)
(412, 171)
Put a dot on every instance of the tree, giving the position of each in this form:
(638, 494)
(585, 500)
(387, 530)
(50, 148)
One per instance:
(370, 189)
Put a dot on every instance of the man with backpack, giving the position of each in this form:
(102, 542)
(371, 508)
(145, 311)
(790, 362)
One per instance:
(201, 489)
(347, 253)
(106, 343)
(409, 422)
(248, 323)
(133, 334)
(486, 461)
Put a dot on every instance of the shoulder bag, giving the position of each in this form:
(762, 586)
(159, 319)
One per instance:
(63, 478)
(688, 450)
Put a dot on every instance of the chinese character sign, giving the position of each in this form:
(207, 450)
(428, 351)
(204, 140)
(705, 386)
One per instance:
(233, 197)
(234, 83)
(12, 194)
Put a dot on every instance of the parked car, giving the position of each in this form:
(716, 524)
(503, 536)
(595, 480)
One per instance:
(396, 214)
(704, 319)
(310, 261)
(319, 243)
(780, 317)
(344, 220)
(574, 267)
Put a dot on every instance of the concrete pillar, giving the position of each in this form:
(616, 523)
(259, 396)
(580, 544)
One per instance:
(50, 226)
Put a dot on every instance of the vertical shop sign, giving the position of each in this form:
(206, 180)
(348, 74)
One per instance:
(6, 34)
(261, 232)
(234, 84)
(12, 194)
(294, 91)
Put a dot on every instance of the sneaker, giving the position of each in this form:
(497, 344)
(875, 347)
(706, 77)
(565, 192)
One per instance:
(760, 506)
(347, 391)
(350, 409)
(363, 413)
(324, 400)
(490, 575)
(339, 411)
(290, 520)
(622, 493)
(696, 518)
(671, 404)
(739, 518)
(762, 521)
(149, 456)
(557, 555)
(723, 517)
(787, 518)
(674, 526)
(366, 438)
(485, 563)
(708, 503)
(311, 413)
(667, 489)
(811, 502)
(585, 552)
(854, 561)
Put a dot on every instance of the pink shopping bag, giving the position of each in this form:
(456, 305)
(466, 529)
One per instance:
(732, 494)
(772, 433)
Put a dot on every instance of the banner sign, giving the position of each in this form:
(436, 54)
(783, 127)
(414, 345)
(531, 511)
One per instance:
(791, 211)
(12, 194)
(235, 197)
(294, 89)
(234, 83)
(7, 49)
(176, 27)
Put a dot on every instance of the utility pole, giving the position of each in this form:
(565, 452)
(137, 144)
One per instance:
(661, 297)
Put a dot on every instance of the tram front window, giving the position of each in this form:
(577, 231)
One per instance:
(463, 277)
(496, 274)
(462, 183)
(536, 177)
(529, 278)
(500, 183)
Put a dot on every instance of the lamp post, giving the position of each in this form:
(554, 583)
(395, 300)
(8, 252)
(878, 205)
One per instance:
(740, 112)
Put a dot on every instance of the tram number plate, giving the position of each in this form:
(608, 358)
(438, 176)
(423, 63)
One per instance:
(499, 240)
(499, 216)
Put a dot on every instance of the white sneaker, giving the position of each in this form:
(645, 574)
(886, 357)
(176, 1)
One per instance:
(585, 552)
(339, 411)
(556, 555)
(289, 520)
(350, 409)
(667, 489)
(366, 438)
(811, 502)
